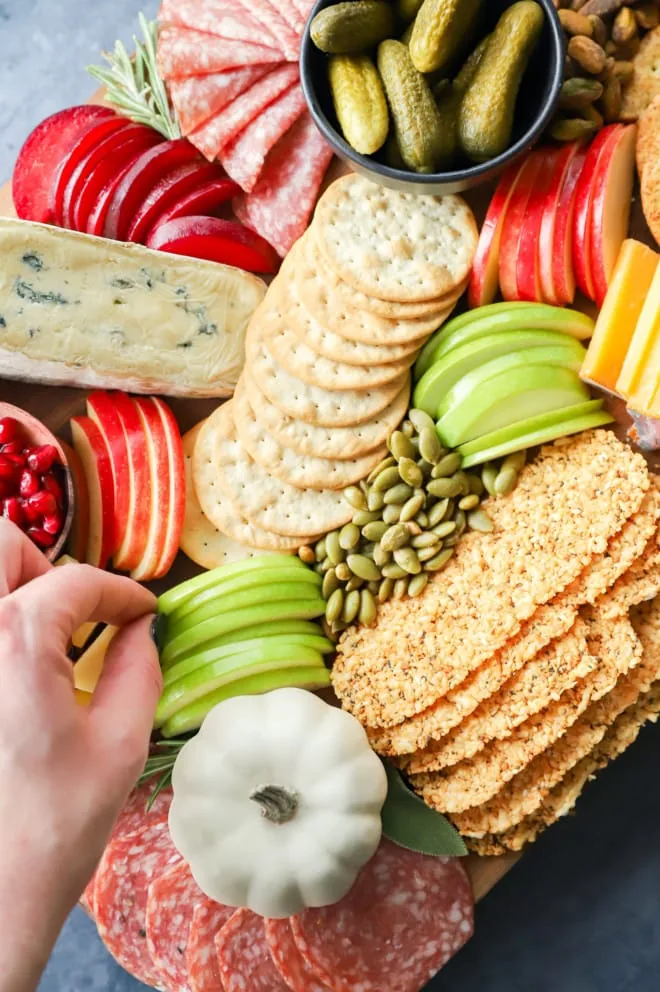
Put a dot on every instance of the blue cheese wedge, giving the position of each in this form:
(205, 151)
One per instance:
(76, 310)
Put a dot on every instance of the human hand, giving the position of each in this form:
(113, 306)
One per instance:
(65, 770)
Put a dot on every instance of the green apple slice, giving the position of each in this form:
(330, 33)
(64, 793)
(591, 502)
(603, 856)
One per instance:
(192, 717)
(189, 641)
(247, 580)
(447, 370)
(507, 398)
(175, 597)
(562, 428)
(262, 658)
(499, 317)
(273, 629)
(520, 427)
(208, 656)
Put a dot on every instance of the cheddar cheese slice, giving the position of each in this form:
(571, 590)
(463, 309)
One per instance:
(638, 372)
(87, 670)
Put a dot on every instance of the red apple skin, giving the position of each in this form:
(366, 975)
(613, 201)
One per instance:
(177, 183)
(177, 484)
(528, 263)
(102, 410)
(86, 144)
(216, 240)
(92, 450)
(483, 284)
(133, 542)
(555, 245)
(583, 203)
(78, 539)
(159, 469)
(513, 224)
(205, 201)
(610, 210)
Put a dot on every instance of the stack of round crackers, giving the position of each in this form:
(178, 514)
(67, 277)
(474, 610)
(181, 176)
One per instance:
(528, 662)
(328, 356)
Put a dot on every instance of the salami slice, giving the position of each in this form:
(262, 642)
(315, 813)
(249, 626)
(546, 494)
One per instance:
(405, 917)
(304, 8)
(202, 957)
(244, 956)
(217, 17)
(183, 52)
(197, 98)
(213, 136)
(171, 903)
(129, 865)
(292, 966)
(244, 158)
(268, 15)
(281, 203)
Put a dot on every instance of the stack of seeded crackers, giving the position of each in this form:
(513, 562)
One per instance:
(533, 659)
(328, 356)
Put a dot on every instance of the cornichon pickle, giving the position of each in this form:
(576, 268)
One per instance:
(485, 119)
(349, 28)
(441, 27)
(422, 140)
(468, 70)
(359, 101)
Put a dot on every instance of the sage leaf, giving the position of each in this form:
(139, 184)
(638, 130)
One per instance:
(410, 823)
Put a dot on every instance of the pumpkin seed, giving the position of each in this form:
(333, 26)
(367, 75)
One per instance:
(445, 487)
(411, 473)
(363, 486)
(363, 517)
(392, 513)
(452, 540)
(398, 494)
(468, 502)
(430, 447)
(422, 519)
(461, 522)
(476, 485)
(427, 540)
(365, 568)
(334, 550)
(367, 612)
(349, 537)
(355, 497)
(334, 606)
(505, 482)
(425, 467)
(318, 569)
(355, 583)
(393, 571)
(401, 446)
(338, 626)
(407, 559)
(400, 588)
(395, 537)
(437, 512)
(408, 428)
(386, 479)
(445, 528)
(319, 549)
(447, 465)
(381, 557)
(421, 420)
(374, 531)
(463, 480)
(417, 584)
(375, 499)
(440, 560)
(425, 554)
(343, 572)
(488, 476)
(479, 520)
(307, 555)
(413, 528)
(412, 507)
(351, 606)
(516, 461)
(385, 590)
(380, 467)
(373, 587)
(326, 565)
(330, 583)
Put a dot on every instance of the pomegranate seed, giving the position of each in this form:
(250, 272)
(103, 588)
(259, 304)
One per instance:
(42, 459)
(42, 503)
(7, 468)
(41, 537)
(6, 489)
(29, 483)
(31, 515)
(9, 429)
(12, 448)
(52, 485)
(52, 523)
(12, 510)
(17, 460)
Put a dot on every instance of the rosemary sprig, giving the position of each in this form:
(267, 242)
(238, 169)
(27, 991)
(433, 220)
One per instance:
(133, 84)
(158, 768)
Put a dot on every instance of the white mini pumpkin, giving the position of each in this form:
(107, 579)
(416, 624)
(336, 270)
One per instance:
(277, 802)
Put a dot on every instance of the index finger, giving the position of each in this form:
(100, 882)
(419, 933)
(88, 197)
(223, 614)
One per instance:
(20, 559)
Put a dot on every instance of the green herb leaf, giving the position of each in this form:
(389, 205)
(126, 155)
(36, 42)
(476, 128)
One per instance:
(158, 768)
(410, 823)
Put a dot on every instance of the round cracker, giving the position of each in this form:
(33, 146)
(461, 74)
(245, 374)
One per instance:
(304, 471)
(396, 246)
(261, 498)
(648, 137)
(219, 510)
(650, 190)
(335, 442)
(298, 399)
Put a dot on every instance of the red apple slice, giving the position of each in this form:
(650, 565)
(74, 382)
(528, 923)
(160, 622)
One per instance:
(78, 539)
(93, 452)
(42, 154)
(102, 410)
(217, 241)
(484, 276)
(171, 188)
(205, 201)
(555, 246)
(140, 179)
(158, 461)
(528, 268)
(85, 144)
(177, 485)
(581, 236)
(610, 210)
(137, 482)
(513, 223)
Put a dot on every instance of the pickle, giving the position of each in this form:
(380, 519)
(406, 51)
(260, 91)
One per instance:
(393, 153)
(423, 142)
(485, 120)
(469, 68)
(440, 30)
(408, 10)
(359, 101)
(353, 27)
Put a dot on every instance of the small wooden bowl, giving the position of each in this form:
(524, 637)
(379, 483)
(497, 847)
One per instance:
(38, 434)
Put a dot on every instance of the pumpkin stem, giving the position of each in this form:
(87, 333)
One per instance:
(278, 805)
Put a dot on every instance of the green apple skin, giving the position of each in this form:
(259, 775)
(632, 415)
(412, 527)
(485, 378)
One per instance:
(542, 436)
(451, 367)
(262, 658)
(516, 430)
(247, 580)
(210, 656)
(189, 642)
(498, 317)
(510, 397)
(192, 717)
(178, 595)
(273, 629)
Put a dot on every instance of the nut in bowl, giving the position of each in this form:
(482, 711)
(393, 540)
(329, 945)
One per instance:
(433, 97)
(36, 490)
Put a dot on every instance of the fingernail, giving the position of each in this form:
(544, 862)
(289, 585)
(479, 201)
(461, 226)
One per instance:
(158, 630)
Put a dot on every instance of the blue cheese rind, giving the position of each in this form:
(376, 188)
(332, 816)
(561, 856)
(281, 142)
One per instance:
(76, 310)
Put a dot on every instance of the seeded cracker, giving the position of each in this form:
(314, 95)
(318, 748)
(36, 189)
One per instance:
(641, 582)
(476, 780)
(587, 487)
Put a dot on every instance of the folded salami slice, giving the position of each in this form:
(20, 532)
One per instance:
(405, 917)
(292, 966)
(217, 132)
(183, 52)
(281, 203)
(244, 158)
(218, 17)
(244, 956)
(202, 957)
(304, 7)
(171, 903)
(267, 12)
(128, 867)
(197, 98)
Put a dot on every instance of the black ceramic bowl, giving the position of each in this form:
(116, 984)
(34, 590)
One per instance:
(536, 102)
